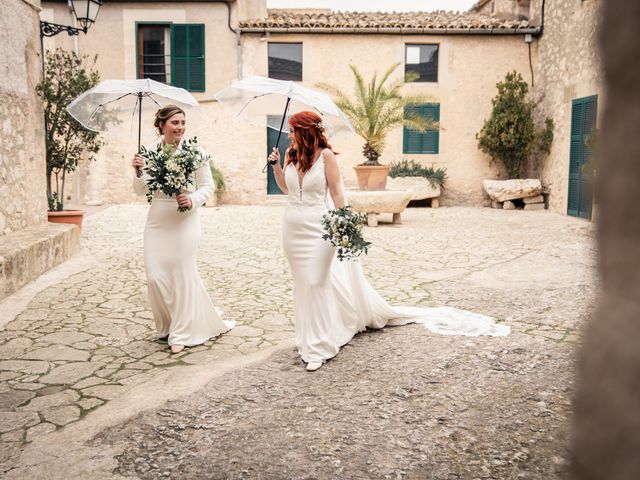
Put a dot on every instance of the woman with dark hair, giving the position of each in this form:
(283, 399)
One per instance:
(333, 300)
(183, 312)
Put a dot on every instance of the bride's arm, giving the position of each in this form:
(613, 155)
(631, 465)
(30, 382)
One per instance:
(332, 172)
(278, 171)
(139, 179)
(205, 190)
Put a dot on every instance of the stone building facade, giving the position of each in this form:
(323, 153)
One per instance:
(475, 51)
(567, 84)
(568, 73)
(22, 162)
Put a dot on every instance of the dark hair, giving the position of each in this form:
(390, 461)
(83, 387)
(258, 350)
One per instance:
(309, 135)
(164, 114)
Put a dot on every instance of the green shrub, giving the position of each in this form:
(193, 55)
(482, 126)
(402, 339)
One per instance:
(410, 168)
(509, 135)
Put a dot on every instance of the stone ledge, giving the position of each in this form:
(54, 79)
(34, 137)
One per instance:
(28, 253)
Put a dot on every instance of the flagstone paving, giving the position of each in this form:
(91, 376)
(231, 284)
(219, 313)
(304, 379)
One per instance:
(89, 338)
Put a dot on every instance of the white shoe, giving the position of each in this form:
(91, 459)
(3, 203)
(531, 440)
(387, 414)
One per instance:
(177, 348)
(313, 366)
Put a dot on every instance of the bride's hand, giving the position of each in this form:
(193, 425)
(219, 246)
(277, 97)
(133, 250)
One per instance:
(137, 163)
(274, 157)
(184, 200)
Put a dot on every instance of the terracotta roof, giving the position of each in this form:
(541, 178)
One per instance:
(380, 22)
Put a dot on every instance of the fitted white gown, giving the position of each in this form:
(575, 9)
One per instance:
(180, 303)
(333, 300)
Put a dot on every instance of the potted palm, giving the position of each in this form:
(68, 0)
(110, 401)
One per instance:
(378, 107)
(66, 141)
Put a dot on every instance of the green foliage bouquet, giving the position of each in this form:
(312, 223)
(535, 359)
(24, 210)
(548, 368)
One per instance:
(343, 229)
(171, 169)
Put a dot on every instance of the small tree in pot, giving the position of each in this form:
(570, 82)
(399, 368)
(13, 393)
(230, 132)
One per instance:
(378, 107)
(66, 76)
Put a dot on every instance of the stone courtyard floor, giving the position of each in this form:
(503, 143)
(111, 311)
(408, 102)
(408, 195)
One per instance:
(86, 390)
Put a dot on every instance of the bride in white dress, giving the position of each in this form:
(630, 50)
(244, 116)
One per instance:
(183, 312)
(333, 300)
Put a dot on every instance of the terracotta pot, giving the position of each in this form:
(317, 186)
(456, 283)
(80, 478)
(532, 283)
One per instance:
(372, 177)
(67, 216)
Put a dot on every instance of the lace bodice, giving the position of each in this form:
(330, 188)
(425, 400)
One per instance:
(313, 191)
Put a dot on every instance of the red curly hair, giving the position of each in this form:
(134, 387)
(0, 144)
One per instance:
(309, 135)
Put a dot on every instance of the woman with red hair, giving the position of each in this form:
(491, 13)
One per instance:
(333, 300)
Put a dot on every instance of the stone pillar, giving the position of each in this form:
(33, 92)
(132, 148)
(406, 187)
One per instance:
(606, 437)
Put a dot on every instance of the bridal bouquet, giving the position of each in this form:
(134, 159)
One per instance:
(343, 229)
(170, 169)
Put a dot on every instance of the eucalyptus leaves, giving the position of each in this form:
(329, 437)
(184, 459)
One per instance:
(343, 229)
(171, 169)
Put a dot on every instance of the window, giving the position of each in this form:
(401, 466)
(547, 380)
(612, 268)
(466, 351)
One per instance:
(173, 54)
(154, 52)
(285, 61)
(414, 141)
(423, 60)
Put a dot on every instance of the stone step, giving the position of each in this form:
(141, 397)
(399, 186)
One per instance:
(28, 253)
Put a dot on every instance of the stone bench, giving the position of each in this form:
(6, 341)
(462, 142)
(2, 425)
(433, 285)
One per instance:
(27, 254)
(503, 193)
(375, 202)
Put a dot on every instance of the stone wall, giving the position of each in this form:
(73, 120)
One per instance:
(22, 157)
(568, 67)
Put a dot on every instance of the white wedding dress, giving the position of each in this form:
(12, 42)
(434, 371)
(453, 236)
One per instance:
(180, 303)
(332, 299)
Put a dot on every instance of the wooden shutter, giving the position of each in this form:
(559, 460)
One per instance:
(414, 141)
(187, 57)
(580, 192)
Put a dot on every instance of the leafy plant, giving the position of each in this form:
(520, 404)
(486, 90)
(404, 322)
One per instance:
(509, 135)
(377, 107)
(410, 168)
(218, 180)
(66, 76)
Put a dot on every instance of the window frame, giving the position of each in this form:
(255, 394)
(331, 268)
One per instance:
(172, 54)
(301, 60)
(406, 65)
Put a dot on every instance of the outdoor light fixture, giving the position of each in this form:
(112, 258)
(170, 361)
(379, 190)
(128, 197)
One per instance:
(85, 12)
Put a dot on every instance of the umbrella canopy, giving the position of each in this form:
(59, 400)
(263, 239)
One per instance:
(266, 101)
(113, 101)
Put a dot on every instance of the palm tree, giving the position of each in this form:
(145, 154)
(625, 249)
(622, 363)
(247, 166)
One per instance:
(378, 107)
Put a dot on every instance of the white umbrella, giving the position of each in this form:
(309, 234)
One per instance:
(106, 103)
(261, 100)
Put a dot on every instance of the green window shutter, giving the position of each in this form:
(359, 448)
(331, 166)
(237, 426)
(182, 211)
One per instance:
(422, 142)
(575, 157)
(187, 57)
(580, 193)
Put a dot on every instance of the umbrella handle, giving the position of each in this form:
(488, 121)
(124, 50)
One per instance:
(284, 115)
(139, 103)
